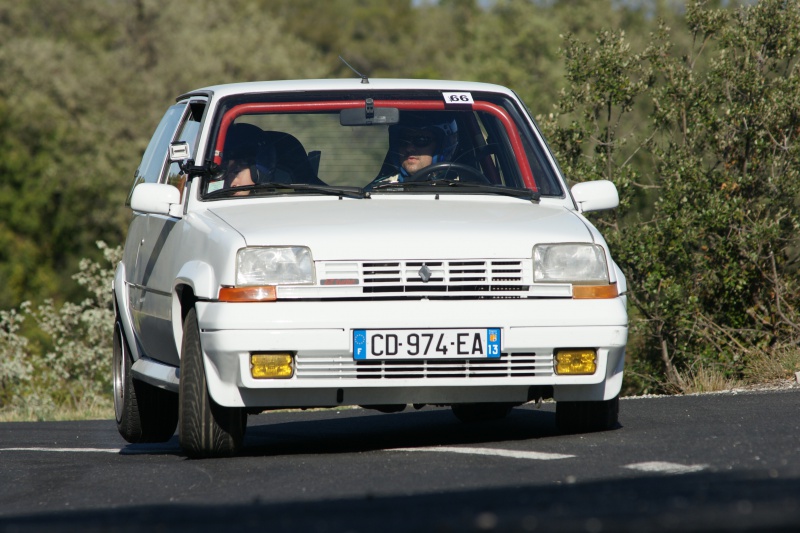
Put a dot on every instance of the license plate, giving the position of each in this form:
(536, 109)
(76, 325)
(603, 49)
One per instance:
(426, 343)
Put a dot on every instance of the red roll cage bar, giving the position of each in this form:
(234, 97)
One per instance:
(416, 105)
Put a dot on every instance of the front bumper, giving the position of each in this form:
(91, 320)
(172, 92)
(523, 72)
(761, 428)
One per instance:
(320, 334)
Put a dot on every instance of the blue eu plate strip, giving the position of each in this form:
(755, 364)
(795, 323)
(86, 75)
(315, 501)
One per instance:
(359, 344)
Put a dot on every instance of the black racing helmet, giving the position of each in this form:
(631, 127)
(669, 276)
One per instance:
(442, 125)
(247, 146)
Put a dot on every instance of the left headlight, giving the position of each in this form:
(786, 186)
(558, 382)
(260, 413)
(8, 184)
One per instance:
(575, 263)
(274, 265)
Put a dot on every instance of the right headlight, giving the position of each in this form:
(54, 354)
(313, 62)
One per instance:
(576, 263)
(274, 265)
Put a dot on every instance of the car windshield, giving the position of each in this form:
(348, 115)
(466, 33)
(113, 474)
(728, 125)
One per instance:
(376, 147)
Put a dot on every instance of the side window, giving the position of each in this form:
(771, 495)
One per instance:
(155, 155)
(188, 132)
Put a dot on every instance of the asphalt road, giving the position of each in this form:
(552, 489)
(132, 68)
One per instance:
(724, 462)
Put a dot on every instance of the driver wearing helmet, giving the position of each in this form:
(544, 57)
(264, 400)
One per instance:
(418, 141)
(248, 159)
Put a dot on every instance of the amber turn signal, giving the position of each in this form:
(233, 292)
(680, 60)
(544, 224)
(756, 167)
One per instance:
(595, 291)
(265, 293)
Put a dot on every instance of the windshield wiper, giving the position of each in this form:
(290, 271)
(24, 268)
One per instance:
(436, 185)
(350, 192)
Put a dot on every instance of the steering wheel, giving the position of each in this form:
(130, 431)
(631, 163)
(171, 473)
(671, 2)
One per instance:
(470, 172)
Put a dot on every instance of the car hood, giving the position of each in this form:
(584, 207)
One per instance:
(403, 227)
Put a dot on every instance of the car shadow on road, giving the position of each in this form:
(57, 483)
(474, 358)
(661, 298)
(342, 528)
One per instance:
(360, 430)
(365, 430)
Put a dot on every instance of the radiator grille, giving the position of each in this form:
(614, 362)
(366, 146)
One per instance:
(476, 278)
(344, 367)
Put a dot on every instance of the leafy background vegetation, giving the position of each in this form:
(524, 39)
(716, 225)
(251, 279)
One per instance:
(692, 109)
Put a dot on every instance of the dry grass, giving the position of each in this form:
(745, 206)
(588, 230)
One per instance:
(705, 379)
(761, 368)
(41, 413)
(779, 363)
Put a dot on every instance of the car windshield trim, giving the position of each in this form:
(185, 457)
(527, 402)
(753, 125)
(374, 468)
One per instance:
(414, 105)
(349, 192)
(456, 186)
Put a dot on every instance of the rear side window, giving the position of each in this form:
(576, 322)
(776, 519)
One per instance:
(155, 156)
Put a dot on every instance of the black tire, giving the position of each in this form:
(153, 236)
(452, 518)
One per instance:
(481, 412)
(144, 413)
(584, 417)
(207, 429)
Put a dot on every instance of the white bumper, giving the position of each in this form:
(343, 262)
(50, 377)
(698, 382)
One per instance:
(320, 334)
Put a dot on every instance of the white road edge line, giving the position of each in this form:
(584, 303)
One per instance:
(662, 467)
(77, 450)
(514, 454)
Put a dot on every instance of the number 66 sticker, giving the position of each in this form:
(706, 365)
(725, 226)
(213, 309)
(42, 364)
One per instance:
(458, 98)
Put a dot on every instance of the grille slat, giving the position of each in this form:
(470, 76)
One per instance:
(508, 365)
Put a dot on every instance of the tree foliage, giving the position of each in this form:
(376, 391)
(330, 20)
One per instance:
(712, 264)
(84, 84)
(692, 110)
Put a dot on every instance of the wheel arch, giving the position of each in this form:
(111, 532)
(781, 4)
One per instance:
(195, 281)
(120, 300)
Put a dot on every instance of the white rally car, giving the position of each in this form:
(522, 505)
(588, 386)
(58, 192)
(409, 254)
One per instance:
(364, 242)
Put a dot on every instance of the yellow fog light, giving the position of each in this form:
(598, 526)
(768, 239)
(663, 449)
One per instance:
(271, 365)
(576, 362)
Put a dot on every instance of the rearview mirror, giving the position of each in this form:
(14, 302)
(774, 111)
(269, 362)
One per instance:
(368, 116)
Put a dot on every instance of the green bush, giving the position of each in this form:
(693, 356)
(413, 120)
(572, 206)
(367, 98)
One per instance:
(58, 357)
(707, 234)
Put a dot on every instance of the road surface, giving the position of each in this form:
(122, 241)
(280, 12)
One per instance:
(720, 462)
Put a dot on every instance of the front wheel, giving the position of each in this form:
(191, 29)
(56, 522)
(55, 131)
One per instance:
(144, 413)
(584, 417)
(207, 429)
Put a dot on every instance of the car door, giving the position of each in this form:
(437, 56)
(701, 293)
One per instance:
(150, 272)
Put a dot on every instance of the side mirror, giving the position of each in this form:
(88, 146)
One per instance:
(157, 199)
(595, 195)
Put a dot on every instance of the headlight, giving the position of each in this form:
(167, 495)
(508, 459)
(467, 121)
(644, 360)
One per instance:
(284, 265)
(570, 263)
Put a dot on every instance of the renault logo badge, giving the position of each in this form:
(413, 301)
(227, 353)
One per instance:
(425, 273)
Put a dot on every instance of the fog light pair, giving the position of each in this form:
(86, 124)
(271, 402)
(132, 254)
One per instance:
(271, 365)
(575, 362)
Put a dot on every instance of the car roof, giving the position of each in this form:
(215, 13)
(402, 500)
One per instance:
(346, 84)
